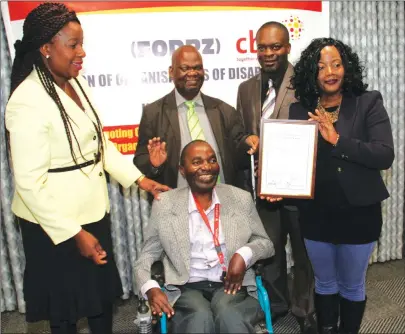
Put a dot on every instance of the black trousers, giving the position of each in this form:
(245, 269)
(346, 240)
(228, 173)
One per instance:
(280, 221)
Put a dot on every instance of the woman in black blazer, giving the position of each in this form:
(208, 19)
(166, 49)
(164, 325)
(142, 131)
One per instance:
(343, 222)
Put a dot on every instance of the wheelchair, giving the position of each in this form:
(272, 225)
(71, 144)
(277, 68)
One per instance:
(157, 274)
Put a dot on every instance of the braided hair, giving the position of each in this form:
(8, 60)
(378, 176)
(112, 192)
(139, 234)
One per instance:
(40, 26)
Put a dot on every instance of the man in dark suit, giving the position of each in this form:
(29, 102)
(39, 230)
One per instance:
(186, 114)
(267, 95)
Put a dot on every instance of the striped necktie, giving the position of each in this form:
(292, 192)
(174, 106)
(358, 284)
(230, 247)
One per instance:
(193, 122)
(194, 126)
(269, 102)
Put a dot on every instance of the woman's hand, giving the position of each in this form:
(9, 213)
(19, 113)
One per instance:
(326, 127)
(90, 247)
(153, 187)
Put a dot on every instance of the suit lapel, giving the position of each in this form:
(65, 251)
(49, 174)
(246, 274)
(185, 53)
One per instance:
(214, 117)
(170, 110)
(180, 224)
(229, 228)
(88, 113)
(347, 115)
(72, 109)
(257, 98)
(283, 91)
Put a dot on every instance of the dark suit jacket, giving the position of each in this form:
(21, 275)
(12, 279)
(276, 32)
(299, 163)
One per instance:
(249, 101)
(160, 119)
(250, 107)
(365, 146)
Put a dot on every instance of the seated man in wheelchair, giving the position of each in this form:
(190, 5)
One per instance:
(208, 237)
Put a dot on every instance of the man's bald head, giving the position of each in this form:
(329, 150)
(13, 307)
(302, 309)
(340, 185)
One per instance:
(179, 53)
(187, 71)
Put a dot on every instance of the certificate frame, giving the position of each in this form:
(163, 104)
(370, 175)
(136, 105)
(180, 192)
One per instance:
(287, 179)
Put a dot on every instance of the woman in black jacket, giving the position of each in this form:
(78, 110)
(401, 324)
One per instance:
(343, 222)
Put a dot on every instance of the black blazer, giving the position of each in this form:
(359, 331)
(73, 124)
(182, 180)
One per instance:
(365, 146)
(160, 119)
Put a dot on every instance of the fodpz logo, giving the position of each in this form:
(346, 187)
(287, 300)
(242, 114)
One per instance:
(247, 44)
(161, 48)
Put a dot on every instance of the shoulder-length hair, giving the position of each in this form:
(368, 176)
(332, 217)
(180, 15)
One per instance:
(304, 80)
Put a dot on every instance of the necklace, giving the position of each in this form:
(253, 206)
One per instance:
(332, 116)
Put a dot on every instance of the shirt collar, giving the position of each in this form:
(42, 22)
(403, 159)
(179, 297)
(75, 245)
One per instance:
(180, 100)
(277, 80)
(193, 207)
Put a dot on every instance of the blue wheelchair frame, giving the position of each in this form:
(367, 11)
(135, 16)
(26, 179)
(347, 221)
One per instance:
(163, 320)
(261, 294)
(264, 303)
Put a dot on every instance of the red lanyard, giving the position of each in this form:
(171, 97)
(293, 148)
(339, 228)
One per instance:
(214, 234)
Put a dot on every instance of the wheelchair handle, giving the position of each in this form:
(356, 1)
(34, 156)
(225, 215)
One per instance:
(258, 269)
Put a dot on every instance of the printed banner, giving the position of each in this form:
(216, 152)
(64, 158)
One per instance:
(129, 47)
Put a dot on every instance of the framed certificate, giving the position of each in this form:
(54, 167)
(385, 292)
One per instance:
(287, 158)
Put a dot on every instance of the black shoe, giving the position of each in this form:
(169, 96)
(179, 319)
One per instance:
(351, 315)
(328, 330)
(327, 313)
(307, 324)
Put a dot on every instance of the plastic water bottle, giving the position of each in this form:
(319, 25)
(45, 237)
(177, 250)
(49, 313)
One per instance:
(143, 320)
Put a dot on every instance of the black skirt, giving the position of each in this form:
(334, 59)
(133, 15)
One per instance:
(62, 285)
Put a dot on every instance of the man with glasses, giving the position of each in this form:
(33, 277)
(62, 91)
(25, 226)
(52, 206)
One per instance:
(184, 115)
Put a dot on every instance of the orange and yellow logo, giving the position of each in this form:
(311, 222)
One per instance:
(295, 27)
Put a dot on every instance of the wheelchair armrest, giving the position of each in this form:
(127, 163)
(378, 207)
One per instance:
(158, 273)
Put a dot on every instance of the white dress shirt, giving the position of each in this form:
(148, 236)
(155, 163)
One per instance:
(204, 262)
